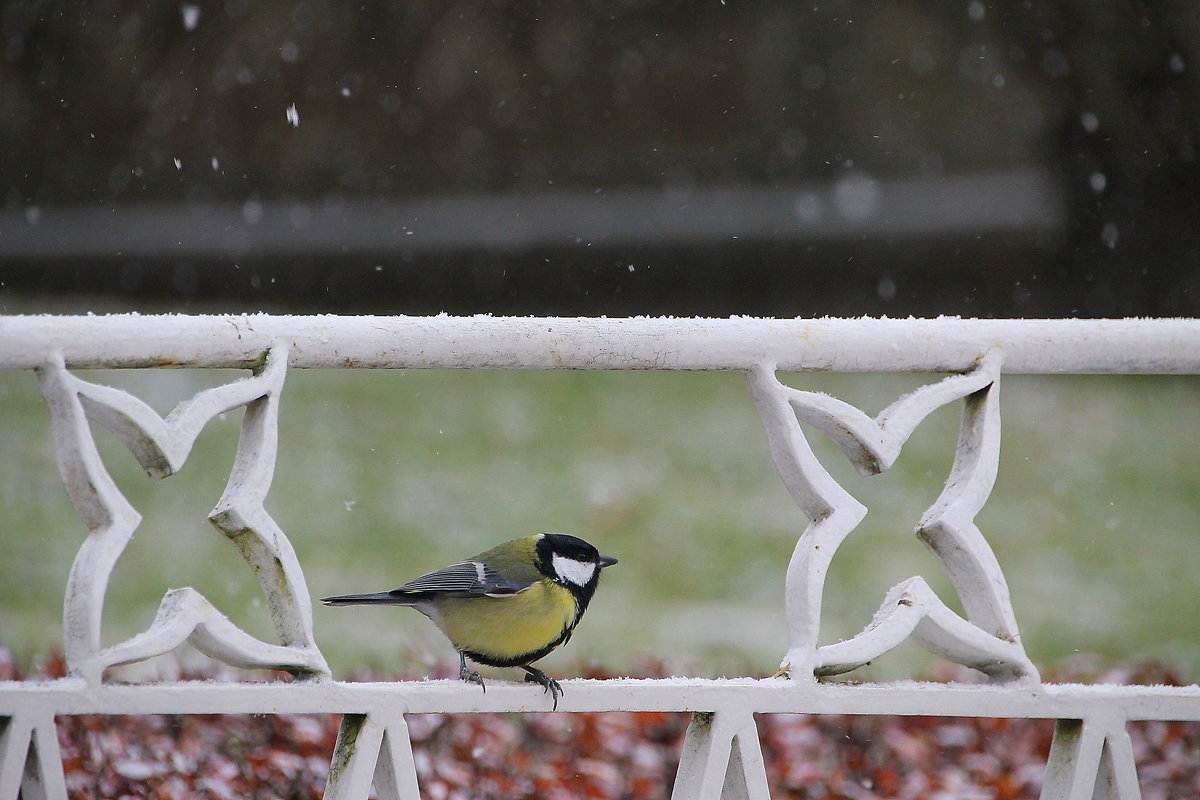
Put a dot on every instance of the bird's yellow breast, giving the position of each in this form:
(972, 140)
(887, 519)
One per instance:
(508, 627)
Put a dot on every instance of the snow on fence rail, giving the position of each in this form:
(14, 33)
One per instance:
(1091, 756)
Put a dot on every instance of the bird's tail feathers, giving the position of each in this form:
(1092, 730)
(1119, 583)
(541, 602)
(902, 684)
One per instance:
(377, 599)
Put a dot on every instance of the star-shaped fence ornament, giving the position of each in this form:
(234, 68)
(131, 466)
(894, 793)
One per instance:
(161, 446)
(988, 639)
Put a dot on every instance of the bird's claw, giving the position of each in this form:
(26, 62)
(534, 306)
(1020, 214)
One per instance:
(534, 675)
(468, 675)
(471, 676)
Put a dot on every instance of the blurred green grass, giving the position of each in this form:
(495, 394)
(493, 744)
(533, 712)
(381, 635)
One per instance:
(385, 474)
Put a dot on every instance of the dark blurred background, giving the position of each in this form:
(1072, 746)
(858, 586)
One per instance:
(603, 157)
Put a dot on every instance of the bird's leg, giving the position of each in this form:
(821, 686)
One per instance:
(467, 674)
(535, 675)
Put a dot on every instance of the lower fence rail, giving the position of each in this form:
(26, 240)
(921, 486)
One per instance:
(1091, 757)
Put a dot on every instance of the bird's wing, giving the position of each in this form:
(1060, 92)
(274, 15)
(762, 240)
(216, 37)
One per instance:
(464, 579)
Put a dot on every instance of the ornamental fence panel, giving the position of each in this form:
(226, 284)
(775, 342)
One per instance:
(1091, 756)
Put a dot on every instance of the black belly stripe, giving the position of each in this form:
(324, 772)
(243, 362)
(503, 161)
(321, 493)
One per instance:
(525, 658)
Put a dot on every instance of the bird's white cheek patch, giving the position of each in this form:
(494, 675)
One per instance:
(577, 572)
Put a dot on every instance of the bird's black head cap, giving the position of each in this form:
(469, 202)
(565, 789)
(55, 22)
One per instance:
(573, 563)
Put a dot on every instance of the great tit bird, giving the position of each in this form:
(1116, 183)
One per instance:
(508, 606)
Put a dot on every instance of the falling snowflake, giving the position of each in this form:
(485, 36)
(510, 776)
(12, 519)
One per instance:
(191, 16)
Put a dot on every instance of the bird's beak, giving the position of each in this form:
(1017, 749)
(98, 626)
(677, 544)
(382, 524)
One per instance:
(607, 561)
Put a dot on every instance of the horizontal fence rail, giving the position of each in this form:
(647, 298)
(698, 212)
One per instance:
(733, 695)
(1092, 754)
(948, 344)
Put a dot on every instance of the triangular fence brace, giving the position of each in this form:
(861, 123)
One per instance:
(1091, 760)
(30, 761)
(373, 748)
(722, 759)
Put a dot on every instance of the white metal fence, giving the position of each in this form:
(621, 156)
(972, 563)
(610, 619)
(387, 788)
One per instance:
(1091, 757)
